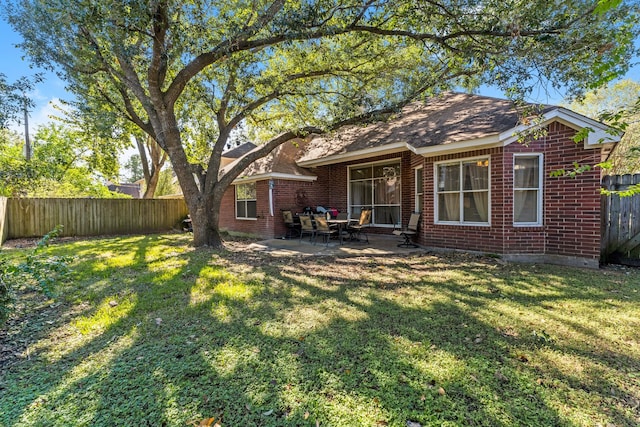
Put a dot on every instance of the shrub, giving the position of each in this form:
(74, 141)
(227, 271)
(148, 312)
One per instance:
(38, 269)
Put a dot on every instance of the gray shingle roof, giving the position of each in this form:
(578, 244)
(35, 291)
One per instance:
(282, 160)
(448, 118)
(239, 151)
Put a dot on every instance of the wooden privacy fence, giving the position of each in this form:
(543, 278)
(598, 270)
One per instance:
(621, 221)
(26, 217)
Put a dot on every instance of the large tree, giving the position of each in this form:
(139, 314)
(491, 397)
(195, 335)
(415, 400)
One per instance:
(189, 73)
(65, 163)
(618, 105)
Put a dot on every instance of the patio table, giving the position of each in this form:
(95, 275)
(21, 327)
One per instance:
(341, 223)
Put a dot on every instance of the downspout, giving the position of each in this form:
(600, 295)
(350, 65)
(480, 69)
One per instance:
(271, 185)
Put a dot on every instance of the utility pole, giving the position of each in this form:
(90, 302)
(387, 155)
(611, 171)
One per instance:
(27, 142)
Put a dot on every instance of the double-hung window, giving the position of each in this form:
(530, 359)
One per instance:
(376, 186)
(527, 189)
(246, 201)
(462, 192)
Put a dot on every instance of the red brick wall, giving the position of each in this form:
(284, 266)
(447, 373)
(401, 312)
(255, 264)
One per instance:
(287, 194)
(571, 213)
(571, 207)
(477, 238)
(261, 226)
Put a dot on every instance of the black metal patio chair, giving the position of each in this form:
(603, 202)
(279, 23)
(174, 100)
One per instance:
(409, 232)
(355, 230)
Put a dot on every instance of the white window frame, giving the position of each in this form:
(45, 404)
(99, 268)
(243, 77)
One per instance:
(461, 191)
(245, 218)
(539, 212)
(372, 206)
(417, 206)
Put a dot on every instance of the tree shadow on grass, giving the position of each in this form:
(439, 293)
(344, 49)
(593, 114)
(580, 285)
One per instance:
(267, 342)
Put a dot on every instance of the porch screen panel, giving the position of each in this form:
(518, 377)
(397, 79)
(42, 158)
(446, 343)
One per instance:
(377, 187)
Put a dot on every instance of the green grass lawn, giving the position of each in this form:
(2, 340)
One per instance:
(150, 331)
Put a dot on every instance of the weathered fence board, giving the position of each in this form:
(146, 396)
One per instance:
(27, 217)
(620, 221)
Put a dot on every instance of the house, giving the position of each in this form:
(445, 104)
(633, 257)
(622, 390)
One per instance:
(133, 189)
(458, 160)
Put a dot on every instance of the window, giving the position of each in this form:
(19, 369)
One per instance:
(462, 192)
(246, 201)
(376, 186)
(527, 190)
(419, 193)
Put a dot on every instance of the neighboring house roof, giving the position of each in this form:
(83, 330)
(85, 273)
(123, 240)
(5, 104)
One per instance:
(132, 190)
(279, 164)
(446, 123)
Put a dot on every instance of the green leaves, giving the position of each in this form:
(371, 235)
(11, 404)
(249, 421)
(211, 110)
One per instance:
(605, 5)
(38, 269)
(13, 98)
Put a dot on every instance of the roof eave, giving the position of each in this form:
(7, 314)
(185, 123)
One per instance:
(600, 135)
(274, 175)
(356, 155)
(485, 142)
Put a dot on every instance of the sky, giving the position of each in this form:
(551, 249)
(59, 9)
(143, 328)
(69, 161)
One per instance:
(49, 92)
(13, 66)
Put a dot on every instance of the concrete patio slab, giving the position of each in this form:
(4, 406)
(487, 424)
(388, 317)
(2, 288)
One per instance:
(378, 246)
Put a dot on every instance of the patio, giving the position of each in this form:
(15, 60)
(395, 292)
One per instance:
(379, 245)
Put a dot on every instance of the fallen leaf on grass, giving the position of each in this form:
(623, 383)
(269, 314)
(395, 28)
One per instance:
(207, 422)
(306, 415)
(441, 391)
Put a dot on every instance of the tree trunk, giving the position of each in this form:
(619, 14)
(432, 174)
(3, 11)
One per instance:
(151, 165)
(205, 226)
(151, 185)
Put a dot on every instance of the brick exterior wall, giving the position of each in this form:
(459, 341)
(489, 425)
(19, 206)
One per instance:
(476, 238)
(571, 207)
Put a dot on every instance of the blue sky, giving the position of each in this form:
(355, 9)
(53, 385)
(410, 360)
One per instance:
(14, 66)
(52, 89)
